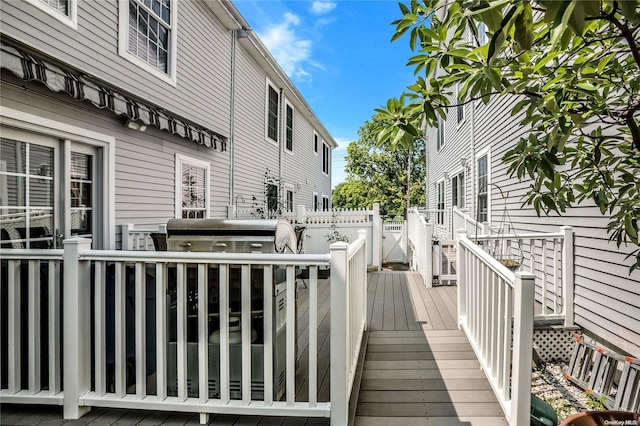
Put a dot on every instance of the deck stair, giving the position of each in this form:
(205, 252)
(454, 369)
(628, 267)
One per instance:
(612, 378)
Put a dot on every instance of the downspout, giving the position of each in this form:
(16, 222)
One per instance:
(282, 123)
(474, 196)
(232, 114)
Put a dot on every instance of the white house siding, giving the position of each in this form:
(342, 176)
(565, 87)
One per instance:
(607, 298)
(203, 69)
(144, 162)
(202, 95)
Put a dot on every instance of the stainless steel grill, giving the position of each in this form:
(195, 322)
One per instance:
(233, 236)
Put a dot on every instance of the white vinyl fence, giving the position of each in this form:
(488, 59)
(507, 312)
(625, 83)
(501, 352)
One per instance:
(495, 310)
(420, 235)
(147, 318)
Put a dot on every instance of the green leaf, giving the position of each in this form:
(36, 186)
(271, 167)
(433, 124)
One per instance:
(500, 35)
(524, 27)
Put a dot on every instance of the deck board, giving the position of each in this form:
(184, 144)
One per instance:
(423, 372)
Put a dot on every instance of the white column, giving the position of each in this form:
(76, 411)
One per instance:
(339, 326)
(524, 288)
(76, 323)
(127, 243)
(462, 276)
(302, 214)
(567, 275)
(376, 240)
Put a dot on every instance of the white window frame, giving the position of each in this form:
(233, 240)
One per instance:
(325, 197)
(65, 132)
(440, 134)
(441, 204)
(293, 125)
(289, 189)
(315, 142)
(479, 155)
(181, 160)
(459, 108)
(268, 84)
(70, 20)
(316, 202)
(461, 196)
(326, 159)
(123, 38)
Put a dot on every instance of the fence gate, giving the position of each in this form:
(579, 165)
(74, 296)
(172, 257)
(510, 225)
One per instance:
(444, 262)
(394, 245)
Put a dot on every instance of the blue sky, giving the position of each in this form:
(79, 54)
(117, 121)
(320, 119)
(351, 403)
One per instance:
(339, 55)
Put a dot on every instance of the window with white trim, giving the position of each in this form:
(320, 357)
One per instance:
(316, 203)
(289, 199)
(289, 128)
(483, 188)
(457, 190)
(273, 103)
(440, 134)
(460, 107)
(325, 203)
(440, 206)
(52, 187)
(148, 35)
(66, 11)
(315, 142)
(192, 187)
(326, 158)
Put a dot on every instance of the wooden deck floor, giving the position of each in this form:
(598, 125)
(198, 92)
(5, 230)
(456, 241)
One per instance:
(419, 368)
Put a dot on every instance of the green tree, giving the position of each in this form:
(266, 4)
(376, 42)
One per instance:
(573, 66)
(380, 173)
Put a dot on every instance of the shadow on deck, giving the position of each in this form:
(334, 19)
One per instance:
(419, 368)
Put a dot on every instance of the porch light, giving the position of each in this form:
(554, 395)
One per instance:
(135, 125)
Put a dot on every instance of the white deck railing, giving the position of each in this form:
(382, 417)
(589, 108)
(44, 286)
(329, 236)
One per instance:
(140, 238)
(495, 310)
(134, 309)
(420, 234)
(549, 256)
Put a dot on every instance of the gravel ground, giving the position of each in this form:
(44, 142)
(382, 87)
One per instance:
(549, 385)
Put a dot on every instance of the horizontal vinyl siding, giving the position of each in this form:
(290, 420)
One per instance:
(607, 298)
(144, 162)
(203, 62)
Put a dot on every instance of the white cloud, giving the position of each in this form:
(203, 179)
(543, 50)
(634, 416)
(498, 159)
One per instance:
(290, 49)
(321, 7)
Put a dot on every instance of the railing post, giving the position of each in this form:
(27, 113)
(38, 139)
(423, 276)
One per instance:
(126, 242)
(524, 289)
(376, 240)
(462, 277)
(428, 244)
(567, 275)
(76, 323)
(302, 214)
(362, 233)
(339, 328)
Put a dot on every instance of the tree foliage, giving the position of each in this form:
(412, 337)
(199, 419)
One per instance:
(379, 173)
(574, 68)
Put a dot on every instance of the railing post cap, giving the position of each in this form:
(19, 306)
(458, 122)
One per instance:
(76, 241)
(462, 231)
(339, 245)
(525, 275)
(566, 228)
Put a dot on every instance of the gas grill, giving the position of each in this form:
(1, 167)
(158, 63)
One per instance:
(232, 236)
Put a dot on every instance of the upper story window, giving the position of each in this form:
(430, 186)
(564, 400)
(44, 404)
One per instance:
(440, 134)
(148, 30)
(273, 101)
(192, 187)
(483, 188)
(315, 142)
(440, 206)
(457, 190)
(289, 132)
(63, 10)
(326, 158)
(460, 107)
